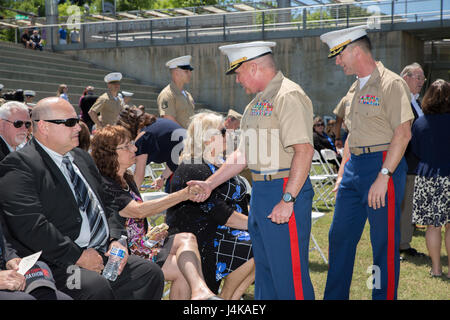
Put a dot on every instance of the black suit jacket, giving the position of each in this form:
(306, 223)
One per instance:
(39, 208)
(4, 150)
(410, 157)
(6, 251)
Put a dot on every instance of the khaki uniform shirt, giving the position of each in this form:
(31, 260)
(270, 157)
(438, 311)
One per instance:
(277, 118)
(108, 107)
(172, 102)
(378, 108)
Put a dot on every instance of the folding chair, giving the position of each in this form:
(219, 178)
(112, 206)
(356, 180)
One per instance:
(329, 155)
(152, 168)
(316, 215)
(322, 182)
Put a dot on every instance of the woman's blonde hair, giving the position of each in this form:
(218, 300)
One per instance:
(201, 128)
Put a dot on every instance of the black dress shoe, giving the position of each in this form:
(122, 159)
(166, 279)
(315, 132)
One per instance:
(412, 252)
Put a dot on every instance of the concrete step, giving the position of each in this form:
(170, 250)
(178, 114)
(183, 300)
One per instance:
(139, 91)
(20, 48)
(41, 56)
(93, 72)
(59, 72)
(75, 91)
(36, 63)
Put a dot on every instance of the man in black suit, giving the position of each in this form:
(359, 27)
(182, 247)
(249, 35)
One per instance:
(44, 209)
(36, 283)
(14, 124)
(414, 77)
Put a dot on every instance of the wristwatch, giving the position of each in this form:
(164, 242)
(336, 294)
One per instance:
(386, 171)
(287, 197)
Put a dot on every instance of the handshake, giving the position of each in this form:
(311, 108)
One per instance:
(198, 191)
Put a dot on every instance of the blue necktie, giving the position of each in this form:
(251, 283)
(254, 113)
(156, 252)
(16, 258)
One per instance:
(87, 203)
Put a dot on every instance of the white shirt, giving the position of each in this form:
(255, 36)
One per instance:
(416, 105)
(363, 81)
(85, 231)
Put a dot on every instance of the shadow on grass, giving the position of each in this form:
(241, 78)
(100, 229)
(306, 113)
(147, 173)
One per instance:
(318, 266)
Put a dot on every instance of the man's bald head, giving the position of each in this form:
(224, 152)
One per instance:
(45, 108)
(58, 137)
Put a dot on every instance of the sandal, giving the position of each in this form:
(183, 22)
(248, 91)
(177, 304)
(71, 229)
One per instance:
(435, 275)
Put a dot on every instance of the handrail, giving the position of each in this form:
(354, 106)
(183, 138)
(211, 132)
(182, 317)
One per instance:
(256, 11)
(185, 29)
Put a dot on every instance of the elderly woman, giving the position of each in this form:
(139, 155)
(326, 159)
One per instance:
(230, 254)
(430, 143)
(114, 152)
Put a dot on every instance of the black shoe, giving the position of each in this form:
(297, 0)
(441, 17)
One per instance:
(412, 252)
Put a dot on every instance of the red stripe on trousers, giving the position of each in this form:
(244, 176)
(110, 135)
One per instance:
(295, 254)
(391, 238)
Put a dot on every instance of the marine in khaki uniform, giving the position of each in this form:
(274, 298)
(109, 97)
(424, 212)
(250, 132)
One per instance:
(108, 104)
(371, 179)
(174, 102)
(277, 145)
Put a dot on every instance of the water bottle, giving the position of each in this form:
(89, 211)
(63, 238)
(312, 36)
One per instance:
(116, 255)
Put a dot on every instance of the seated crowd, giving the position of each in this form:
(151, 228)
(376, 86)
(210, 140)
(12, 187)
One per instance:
(59, 159)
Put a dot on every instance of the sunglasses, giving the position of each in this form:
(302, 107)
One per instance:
(71, 122)
(19, 123)
(223, 131)
(319, 125)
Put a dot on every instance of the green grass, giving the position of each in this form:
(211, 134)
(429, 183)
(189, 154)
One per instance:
(415, 282)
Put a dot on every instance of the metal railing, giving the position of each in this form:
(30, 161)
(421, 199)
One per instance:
(258, 24)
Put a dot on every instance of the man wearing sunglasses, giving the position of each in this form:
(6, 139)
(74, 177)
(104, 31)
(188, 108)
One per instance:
(14, 124)
(55, 202)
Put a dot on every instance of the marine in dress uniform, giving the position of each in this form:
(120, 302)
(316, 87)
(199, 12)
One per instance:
(277, 145)
(108, 104)
(371, 183)
(174, 102)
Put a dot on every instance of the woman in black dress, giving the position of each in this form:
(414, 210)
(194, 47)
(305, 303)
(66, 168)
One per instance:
(230, 255)
(114, 152)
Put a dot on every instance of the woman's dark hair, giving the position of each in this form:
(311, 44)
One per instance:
(104, 153)
(134, 119)
(437, 98)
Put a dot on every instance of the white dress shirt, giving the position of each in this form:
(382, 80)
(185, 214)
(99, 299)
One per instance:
(416, 105)
(85, 231)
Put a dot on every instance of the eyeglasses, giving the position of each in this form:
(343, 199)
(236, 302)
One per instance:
(19, 123)
(420, 78)
(319, 125)
(128, 146)
(71, 122)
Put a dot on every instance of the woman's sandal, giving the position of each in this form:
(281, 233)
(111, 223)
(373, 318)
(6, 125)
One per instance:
(435, 275)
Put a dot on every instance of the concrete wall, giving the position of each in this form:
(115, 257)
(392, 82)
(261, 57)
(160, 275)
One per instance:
(303, 60)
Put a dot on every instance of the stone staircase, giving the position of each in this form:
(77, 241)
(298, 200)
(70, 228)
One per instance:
(44, 71)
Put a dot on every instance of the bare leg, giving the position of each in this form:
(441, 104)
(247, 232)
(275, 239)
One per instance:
(183, 267)
(433, 239)
(238, 281)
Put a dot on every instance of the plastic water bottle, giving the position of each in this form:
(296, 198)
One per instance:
(116, 255)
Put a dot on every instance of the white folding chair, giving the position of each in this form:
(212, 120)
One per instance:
(329, 155)
(322, 182)
(154, 170)
(316, 215)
